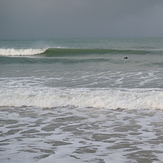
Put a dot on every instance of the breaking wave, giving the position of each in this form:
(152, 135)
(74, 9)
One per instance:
(59, 52)
(95, 98)
(21, 52)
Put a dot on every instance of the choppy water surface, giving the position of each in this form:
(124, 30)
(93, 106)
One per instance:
(70, 134)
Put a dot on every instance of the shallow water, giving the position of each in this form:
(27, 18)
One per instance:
(78, 135)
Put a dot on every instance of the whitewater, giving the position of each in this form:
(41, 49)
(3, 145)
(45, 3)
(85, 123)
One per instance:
(19, 52)
(79, 100)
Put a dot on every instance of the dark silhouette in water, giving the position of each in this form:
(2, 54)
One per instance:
(125, 57)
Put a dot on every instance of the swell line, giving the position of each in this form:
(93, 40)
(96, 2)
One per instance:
(61, 52)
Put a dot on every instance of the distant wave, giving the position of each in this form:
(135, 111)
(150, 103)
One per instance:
(59, 52)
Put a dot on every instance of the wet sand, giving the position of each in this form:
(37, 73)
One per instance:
(78, 135)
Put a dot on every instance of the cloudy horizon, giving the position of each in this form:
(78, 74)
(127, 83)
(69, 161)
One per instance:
(22, 19)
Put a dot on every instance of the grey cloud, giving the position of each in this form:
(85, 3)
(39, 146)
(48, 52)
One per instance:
(80, 18)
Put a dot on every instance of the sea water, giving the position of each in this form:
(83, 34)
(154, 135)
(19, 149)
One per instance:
(80, 100)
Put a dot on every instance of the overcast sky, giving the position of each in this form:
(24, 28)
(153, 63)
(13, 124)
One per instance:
(24, 19)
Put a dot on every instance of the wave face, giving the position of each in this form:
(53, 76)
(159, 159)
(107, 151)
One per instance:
(60, 52)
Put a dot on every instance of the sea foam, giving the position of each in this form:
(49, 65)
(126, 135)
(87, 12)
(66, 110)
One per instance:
(96, 98)
(21, 52)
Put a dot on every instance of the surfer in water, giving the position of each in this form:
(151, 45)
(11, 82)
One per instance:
(125, 57)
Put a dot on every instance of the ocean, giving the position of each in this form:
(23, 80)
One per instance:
(81, 100)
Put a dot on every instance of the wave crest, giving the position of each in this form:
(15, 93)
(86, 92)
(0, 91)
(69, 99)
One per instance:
(61, 51)
(21, 52)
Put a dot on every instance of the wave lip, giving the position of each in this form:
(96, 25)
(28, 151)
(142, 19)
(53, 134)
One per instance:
(21, 52)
